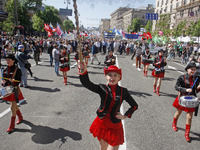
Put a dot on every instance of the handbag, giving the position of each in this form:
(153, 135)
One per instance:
(27, 64)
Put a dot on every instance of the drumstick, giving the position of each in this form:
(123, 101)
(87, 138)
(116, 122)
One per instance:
(193, 84)
(9, 79)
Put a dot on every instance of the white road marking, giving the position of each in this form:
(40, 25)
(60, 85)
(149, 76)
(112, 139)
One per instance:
(170, 67)
(179, 64)
(133, 64)
(122, 147)
(8, 110)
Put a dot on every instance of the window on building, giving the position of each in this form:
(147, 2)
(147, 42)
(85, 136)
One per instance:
(177, 4)
(166, 9)
(171, 7)
(185, 2)
(166, 2)
(161, 10)
(158, 3)
(161, 3)
(181, 13)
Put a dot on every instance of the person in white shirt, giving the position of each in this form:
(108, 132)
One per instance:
(55, 54)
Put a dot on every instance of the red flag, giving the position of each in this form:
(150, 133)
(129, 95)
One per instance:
(49, 34)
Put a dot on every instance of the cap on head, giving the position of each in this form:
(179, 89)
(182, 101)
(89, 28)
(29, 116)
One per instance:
(113, 68)
(10, 56)
(190, 65)
(20, 47)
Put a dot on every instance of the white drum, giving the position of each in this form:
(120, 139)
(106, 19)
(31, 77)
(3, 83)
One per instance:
(6, 91)
(189, 101)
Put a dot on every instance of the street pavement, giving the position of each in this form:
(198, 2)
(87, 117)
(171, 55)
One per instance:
(58, 117)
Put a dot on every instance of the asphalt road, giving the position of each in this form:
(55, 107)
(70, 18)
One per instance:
(58, 116)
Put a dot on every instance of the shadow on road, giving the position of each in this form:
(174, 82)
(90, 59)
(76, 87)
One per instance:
(75, 77)
(139, 94)
(191, 133)
(44, 89)
(42, 80)
(92, 72)
(95, 67)
(168, 95)
(46, 135)
(76, 85)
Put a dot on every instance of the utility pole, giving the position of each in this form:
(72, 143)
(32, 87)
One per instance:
(16, 16)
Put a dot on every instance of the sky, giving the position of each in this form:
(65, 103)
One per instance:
(92, 11)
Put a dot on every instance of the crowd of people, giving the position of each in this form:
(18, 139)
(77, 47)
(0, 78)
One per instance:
(17, 51)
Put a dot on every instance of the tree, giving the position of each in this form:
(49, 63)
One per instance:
(135, 25)
(68, 25)
(51, 14)
(38, 23)
(148, 27)
(8, 24)
(180, 29)
(197, 29)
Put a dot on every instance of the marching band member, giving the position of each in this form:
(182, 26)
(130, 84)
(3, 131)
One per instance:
(13, 73)
(183, 85)
(65, 62)
(109, 59)
(86, 53)
(147, 55)
(107, 126)
(158, 72)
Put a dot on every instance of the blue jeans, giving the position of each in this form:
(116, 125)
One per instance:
(51, 60)
(24, 76)
(56, 67)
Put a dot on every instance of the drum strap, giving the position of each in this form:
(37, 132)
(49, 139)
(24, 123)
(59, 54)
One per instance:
(14, 73)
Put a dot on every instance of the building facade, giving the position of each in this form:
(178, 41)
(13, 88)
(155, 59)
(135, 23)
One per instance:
(116, 19)
(178, 10)
(104, 25)
(122, 17)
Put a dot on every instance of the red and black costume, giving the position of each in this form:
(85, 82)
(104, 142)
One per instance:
(106, 126)
(159, 71)
(184, 82)
(146, 55)
(13, 72)
(65, 64)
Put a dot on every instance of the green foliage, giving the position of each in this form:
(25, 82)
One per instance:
(51, 14)
(38, 23)
(163, 23)
(8, 24)
(196, 29)
(180, 29)
(68, 25)
(148, 27)
(129, 28)
(135, 25)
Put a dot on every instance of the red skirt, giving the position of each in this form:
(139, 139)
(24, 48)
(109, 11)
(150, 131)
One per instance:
(145, 63)
(110, 132)
(176, 105)
(64, 69)
(161, 75)
(12, 98)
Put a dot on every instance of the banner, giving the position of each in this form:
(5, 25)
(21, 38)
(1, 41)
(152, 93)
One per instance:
(69, 36)
(132, 36)
(109, 35)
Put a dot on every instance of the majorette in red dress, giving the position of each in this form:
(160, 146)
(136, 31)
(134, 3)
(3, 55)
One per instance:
(184, 82)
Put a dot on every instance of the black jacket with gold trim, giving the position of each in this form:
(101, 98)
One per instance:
(105, 94)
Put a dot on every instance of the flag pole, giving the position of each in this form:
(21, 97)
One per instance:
(78, 34)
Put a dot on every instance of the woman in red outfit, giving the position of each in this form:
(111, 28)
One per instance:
(65, 63)
(107, 126)
(183, 85)
(159, 71)
(146, 55)
(13, 77)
